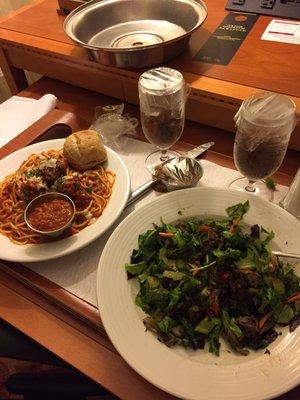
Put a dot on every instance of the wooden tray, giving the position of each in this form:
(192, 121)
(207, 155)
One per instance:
(61, 321)
(59, 124)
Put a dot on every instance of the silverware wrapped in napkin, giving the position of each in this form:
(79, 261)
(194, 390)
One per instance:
(179, 172)
(195, 152)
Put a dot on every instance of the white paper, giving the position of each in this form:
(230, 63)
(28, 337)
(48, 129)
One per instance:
(18, 113)
(283, 31)
(291, 202)
(77, 272)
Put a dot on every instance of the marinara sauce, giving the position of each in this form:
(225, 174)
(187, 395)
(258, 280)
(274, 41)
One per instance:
(50, 215)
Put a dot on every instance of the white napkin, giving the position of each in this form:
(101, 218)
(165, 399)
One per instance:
(77, 272)
(291, 202)
(18, 113)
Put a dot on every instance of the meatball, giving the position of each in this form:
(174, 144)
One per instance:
(51, 174)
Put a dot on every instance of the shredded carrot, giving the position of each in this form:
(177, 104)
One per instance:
(166, 234)
(272, 264)
(264, 319)
(234, 224)
(195, 270)
(293, 298)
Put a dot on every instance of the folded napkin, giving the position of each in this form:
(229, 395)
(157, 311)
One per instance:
(18, 113)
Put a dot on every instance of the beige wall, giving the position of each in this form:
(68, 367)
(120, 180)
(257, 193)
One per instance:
(7, 6)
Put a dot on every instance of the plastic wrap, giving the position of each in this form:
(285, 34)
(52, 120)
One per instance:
(162, 88)
(179, 172)
(266, 117)
(114, 126)
(162, 93)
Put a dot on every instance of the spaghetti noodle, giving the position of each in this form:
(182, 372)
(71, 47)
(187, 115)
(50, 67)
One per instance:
(50, 172)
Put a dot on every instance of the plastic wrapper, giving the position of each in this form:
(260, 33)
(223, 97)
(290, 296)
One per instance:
(266, 117)
(162, 88)
(179, 172)
(114, 126)
(162, 93)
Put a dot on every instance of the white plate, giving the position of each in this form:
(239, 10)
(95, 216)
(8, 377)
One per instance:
(47, 251)
(192, 374)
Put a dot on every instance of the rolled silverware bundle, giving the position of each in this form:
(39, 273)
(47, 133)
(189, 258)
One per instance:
(191, 170)
(180, 172)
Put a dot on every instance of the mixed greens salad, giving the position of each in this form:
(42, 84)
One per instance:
(201, 279)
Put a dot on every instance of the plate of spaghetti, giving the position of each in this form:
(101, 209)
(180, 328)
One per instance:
(99, 194)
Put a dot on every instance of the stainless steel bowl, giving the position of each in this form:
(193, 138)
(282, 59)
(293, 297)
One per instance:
(135, 33)
(38, 200)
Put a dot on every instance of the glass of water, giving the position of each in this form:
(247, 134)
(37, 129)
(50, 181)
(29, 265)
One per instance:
(264, 124)
(162, 94)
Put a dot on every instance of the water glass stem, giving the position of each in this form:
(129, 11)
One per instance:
(163, 156)
(250, 187)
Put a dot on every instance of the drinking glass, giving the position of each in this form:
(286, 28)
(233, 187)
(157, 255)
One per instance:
(264, 125)
(162, 94)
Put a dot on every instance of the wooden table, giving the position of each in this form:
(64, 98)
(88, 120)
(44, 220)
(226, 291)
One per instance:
(56, 319)
(33, 39)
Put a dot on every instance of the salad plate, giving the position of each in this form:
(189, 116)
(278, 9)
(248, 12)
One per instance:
(186, 373)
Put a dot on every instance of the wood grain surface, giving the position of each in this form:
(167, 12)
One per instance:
(261, 64)
(71, 340)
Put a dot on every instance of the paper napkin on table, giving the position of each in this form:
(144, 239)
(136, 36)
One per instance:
(291, 201)
(18, 113)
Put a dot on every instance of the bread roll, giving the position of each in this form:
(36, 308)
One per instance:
(84, 150)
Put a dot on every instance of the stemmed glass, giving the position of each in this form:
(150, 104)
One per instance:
(264, 124)
(162, 94)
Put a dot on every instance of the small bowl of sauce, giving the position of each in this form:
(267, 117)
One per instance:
(50, 214)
